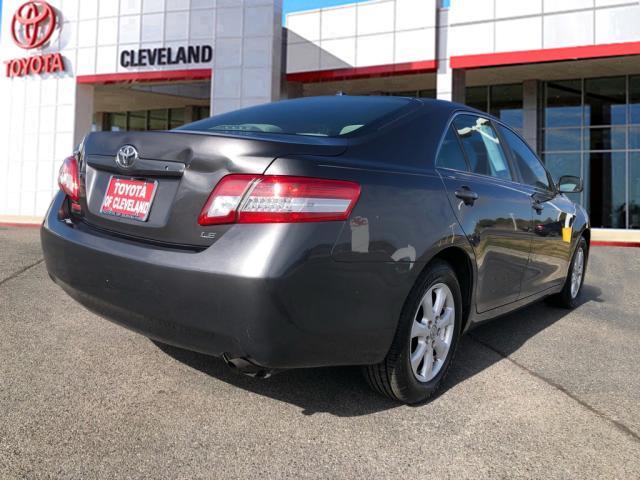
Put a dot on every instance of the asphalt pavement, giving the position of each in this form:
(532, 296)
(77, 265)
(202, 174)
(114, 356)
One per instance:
(542, 393)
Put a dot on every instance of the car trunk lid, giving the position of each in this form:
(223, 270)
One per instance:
(178, 171)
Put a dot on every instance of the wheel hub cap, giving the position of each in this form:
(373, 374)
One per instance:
(432, 332)
(577, 272)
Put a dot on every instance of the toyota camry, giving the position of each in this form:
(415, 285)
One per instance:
(342, 230)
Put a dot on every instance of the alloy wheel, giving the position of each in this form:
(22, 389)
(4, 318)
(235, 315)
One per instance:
(577, 272)
(432, 332)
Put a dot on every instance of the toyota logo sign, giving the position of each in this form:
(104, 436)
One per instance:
(33, 24)
(127, 156)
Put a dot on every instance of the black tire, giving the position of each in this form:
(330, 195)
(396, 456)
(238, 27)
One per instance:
(394, 376)
(565, 299)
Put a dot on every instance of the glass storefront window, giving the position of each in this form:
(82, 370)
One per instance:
(477, 97)
(562, 139)
(607, 189)
(200, 112)
(560, 164)
(117, 122)
(563, 101)
(605, 101)
(158, 119)
(138, 121)
(634, 100)
(430, 93)
(605, 138)
(633, 183)
(591, 130)
(505, 102)
(176, 117)
(634, 137)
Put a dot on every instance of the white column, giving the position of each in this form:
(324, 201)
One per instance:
(450, 84)
(247, 66)
(84, 112)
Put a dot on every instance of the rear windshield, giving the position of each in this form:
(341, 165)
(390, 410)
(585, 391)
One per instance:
(313, 116)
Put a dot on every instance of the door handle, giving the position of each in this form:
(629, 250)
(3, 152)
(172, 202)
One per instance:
(467, 195)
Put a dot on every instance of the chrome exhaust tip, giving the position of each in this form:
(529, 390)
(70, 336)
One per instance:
(246, 367)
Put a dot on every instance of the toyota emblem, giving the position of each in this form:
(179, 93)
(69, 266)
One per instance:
(33, 24)
(127, 156)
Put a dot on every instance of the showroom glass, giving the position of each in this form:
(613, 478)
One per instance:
(633, 180)
(605, 101)
(592, 129)
(332, 116)
(502, 101)
(117, 122)
(482, 146)
(505, 103)
(531, 170)
(477, 97)
(158, 119)
(559, 164)
(563, 106)
(450, 154)
(562, 139)
(176, 117)
(137, 121)
(429, 93)
(608, 205)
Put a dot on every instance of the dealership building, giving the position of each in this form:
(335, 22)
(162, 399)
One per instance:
(566, 74)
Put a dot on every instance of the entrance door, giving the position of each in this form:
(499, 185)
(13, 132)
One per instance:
(494, 211)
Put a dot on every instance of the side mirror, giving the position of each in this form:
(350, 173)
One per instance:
(570, 184)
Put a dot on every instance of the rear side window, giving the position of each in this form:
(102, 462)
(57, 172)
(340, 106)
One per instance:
(532, 171)
(482, 146)
(313, 116)
(450, 154)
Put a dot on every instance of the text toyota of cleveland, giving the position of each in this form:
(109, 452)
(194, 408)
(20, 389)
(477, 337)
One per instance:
(342, 230)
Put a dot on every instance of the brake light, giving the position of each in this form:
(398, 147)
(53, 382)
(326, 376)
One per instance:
(278, 199)
(68, 178)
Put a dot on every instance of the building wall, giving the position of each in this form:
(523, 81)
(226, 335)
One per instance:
(378, 32)
(45, 116)
(248, 54)
(491, 26)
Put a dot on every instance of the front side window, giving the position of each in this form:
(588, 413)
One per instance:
(482, 146)
(450, 154)
(531, 169)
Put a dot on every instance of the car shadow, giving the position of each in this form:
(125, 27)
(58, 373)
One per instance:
(496, 339)
(343, 391)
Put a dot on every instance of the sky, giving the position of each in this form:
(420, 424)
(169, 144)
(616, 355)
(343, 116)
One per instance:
(299, 5)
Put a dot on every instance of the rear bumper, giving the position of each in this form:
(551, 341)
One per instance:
(258, 293)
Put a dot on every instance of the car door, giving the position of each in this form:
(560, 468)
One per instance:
(552, 222)
(494, 212)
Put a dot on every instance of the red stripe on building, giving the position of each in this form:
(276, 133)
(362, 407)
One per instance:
(604, 243)
(155, 76)
(545, 55)
(427, 66)
(20, 225)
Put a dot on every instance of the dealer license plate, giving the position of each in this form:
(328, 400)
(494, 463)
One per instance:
(129, 198)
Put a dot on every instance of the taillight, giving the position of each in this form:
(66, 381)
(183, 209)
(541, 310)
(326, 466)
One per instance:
(242, 198)
(68, 178)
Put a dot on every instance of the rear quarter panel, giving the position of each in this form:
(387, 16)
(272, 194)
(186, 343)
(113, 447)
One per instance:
(401, 221)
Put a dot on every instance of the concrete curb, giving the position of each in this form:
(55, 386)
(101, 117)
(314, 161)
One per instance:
(20, 221)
